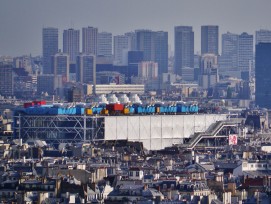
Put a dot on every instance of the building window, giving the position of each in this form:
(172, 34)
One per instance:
(137, 173)
(172, 186)
(131, 173)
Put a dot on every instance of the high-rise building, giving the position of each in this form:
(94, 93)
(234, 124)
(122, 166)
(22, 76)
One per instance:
(61, 65)
(245, 51)
(71, 42)
(145, 43)
(209, 39)
(86, 68)
(184, 48)
(155, 47)
(89, 40)
(131, 40)
(263, 36)
(263, 75)
(6, 79)
(229, 56)
(121, 46)
(105, 44)
(49, 48)
(161, 51)
(134, 58)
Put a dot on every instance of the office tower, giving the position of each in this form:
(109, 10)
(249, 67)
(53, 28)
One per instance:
(161, 51)
(145, 43)
(208, 70)
(209, 39)
(229, 56)
(134, 58)
(184, 48)
(245, 51)
(131, 40)
(121, 46)
(196, 67)
(49, 48)
(6, 79)
(263, 75)
(89, 40)
(105, 44)
(86, 69)
(71, 39)
(263, 36)
(61, 65)
(45, 84)
(154, 46)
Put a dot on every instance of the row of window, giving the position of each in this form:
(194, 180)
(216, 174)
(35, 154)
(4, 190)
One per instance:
(257, 165)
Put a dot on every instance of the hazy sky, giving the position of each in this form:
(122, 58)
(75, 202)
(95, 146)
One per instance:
(21, 21)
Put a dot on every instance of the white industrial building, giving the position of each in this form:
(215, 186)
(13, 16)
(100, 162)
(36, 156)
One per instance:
(154, 131)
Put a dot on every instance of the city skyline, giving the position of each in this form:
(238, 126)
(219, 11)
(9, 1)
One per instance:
(29, 17)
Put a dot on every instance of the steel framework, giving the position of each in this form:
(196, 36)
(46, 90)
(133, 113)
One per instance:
(154, 131)
(59, 128)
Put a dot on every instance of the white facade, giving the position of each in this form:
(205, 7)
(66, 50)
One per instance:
(136, 174)
(119, 88)
(250, 167)
(157, 131)
(148, 70)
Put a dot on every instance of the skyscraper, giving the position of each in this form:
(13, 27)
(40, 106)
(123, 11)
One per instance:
(245, 51)
(49, 48)
(134, 58)
(154, 46)
(184, 48)
(131, 40)
(89, 40)
(263, 36)
(263, 75)
(145, 43)
(161, 51)
(86, 68)
(105, 44)
(61, 65)
(209, 39)
(71, 39)
(6, 79)
(229, 56)
(121, 45)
